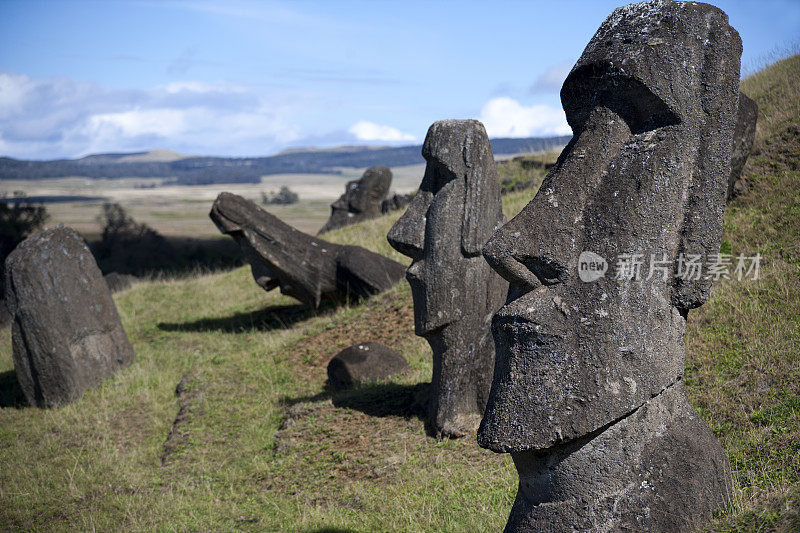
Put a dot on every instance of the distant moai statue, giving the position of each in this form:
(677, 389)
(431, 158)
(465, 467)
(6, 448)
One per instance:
(361, 200)
(588, 393)
(455, 292)
(743, 137)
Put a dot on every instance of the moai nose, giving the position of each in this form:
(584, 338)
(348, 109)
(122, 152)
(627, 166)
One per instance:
(407, 236)
(505, 253)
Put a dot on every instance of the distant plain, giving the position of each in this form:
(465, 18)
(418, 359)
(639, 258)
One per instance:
(182, 211)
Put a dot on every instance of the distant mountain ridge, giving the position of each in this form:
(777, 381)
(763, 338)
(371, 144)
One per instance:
(153, 156)
(194, 170)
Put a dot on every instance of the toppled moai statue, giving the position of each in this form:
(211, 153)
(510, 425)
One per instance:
(302, 266)
(455, 292)
(66, 333)
(743, 137)
(364, 362)
(588, 394)
(361, 199)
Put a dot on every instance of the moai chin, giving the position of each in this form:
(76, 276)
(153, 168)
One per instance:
(587, 394)
(455, 292)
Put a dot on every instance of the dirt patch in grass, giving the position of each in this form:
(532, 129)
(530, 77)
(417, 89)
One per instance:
(189, 393)
(385, 319)
(330, 438)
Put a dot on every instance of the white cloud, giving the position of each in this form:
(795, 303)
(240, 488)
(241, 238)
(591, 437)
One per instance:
(369, 131)
(202, 87)
(12, 92)
(505, 117)
(57, 117)
(552, 79)
(163, 122)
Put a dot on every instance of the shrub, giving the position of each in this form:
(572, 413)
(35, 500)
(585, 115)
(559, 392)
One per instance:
(18, 219)
(129, 247)
(283, 197)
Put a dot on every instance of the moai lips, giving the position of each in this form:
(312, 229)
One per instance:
(455, 292)
(652, 103)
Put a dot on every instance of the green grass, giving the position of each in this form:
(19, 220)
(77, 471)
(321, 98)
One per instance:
(743, 346)
(254, 441)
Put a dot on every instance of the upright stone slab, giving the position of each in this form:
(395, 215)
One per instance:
(588, 392)
(361, 199)
(455, 292)
(743, 137)
(302, 266)
(66, 333)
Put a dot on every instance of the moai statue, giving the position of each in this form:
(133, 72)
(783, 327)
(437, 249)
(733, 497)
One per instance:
(361, 200)
(743, 137)
(67, 336)
(455, 292)
(588, 395)
(301, 266)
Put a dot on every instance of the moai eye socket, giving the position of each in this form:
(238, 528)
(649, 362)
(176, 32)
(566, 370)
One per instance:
(601, 85)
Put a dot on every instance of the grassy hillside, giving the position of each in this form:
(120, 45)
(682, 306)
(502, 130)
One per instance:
(223, 421)
(743, 346)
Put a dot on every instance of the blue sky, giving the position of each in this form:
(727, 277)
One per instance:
(251, 78)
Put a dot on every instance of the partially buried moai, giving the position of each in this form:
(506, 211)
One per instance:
(361, 199)
(455, 292)
(588, 394)
(67, 335)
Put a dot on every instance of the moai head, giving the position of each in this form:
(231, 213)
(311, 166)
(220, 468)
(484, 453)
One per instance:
(361, 199)
(301, 266)
(367, 193)
(279, 255)
(455, 292)
(652, 103)
(444, 228)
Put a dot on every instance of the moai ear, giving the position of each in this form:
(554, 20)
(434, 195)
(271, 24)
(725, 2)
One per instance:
(482, 191)
(702, 220)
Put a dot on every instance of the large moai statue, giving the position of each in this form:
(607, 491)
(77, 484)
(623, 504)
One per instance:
(455, 211)
(66, 334)
(588, 395)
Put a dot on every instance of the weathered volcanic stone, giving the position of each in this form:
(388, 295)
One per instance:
(302, 266)
(360, 363)
(66, 333)
(743, 137)
(653, 105)
(361, 199)
(455, 292)
(119, 282)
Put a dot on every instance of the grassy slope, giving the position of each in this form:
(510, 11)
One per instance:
(743, 346)
(253, 440)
